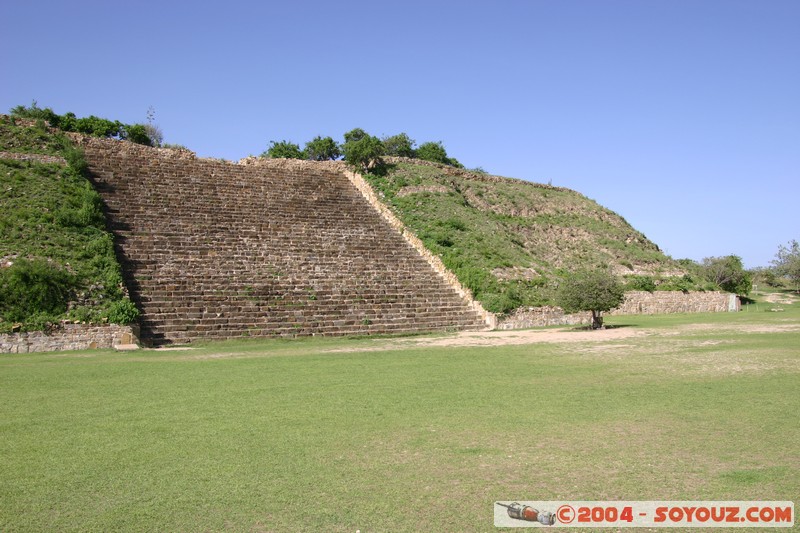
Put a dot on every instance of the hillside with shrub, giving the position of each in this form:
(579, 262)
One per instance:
(57, 260)
(511, 242)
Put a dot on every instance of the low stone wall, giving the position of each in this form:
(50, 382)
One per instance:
(635, 303)
(68, 337)
(667, 302)
(537, 317)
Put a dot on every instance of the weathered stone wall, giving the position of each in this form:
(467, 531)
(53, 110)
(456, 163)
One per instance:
(68, 337)
(536, 317)
(666, 302)
(635, 303)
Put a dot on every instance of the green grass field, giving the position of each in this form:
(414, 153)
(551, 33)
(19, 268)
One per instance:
(348, 434)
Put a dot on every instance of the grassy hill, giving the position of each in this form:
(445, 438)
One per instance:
(511, 241)
(57, 260)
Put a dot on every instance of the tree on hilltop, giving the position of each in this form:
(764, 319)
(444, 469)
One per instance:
(283, 150)
(436, 152)
(362, 151)
(596, 290)
(400, 145)
(355, 135)
(432, 151)
(322, 149)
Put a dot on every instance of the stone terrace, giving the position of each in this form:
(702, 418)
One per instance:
(215, 250)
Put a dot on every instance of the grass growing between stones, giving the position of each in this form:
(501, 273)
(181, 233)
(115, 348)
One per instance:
(294, 436)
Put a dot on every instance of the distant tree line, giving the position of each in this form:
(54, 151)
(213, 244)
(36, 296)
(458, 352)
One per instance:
(361, 150)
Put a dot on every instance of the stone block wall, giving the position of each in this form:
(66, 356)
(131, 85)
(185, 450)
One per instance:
(666, 302)
(537, 317)
(635, 303)
(68, 337)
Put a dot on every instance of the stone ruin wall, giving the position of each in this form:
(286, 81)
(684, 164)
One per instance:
(635, 303)
(669, 302)
(68, 337)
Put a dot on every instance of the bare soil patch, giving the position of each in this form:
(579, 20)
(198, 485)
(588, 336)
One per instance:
(502, 338)
(778, 298)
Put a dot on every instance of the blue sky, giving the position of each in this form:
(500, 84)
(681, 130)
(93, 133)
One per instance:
(683, 116)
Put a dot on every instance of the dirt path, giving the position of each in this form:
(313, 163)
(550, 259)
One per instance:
(501, 338)
(559, 335)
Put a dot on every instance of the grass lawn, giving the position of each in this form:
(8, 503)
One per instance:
(299, 436)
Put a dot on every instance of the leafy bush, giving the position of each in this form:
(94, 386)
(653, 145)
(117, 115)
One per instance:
(432, 151)
(400, 145)
(502, 302)
(684, 283)
(362, 151)
(435, 152)
(123, 312)
(91, 125)
(136, 133)
(322, 149)
(34, 287)
(283, 150)
(99, 127)
(34, 112)
(640, 283)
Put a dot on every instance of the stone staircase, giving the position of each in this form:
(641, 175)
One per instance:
(214, 250)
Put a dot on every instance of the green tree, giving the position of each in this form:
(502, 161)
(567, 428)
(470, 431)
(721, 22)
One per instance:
(728, 274)
(362, 151)
(597, 291)
(400, 145)
(787, 263)
(322, 149)
(283, 150)
(136, 133)
(433, 151)
(354, 135)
